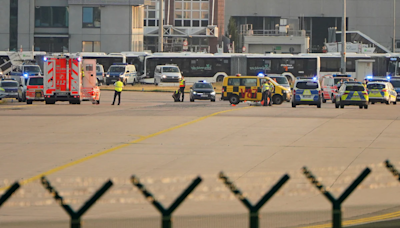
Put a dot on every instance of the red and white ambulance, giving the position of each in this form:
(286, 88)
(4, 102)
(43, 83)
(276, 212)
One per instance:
(67, 78)
(330, 85)
(34, 89)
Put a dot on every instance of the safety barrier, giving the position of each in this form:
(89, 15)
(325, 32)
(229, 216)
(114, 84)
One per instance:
(166, 213)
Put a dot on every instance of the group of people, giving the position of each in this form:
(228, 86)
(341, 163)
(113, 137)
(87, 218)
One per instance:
(119, 85)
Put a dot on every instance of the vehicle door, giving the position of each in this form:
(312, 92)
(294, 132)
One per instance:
(377, 90)
(232, 87)
(392, 92)
(249, 89)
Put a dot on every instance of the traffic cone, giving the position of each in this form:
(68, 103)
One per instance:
(262, 102)
(233, 105)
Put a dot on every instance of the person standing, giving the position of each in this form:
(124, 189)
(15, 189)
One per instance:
(182, 85)
(118, 89)
(265, 92)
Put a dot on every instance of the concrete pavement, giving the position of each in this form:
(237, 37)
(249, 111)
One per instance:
(255, 146)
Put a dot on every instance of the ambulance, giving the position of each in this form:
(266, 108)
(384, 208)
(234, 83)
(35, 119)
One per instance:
(34, 89)
(67, 78)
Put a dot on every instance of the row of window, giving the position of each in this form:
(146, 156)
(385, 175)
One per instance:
(58, 17)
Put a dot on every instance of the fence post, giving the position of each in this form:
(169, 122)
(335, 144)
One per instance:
(166, 213)
(336, 203)
(75, 215)
(254, 215)
(9, 193)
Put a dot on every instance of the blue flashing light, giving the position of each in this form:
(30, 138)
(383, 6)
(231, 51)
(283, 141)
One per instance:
(369, 77)
(79, 59)
(261, 75)
(45, 59)
(25, 75)
(203, 81)
(315, 78)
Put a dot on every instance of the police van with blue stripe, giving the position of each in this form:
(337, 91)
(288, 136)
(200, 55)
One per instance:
(307, 92)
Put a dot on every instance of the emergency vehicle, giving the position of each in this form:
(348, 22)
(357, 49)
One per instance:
(67, 78)
(352, 93)
(331, 84)
(34, 89)
(307, 92)
(248, 88)
(381, 92)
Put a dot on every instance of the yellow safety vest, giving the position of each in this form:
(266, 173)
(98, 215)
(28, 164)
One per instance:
(265, 87)
(182, 83)
(83, 73)
(118, 86)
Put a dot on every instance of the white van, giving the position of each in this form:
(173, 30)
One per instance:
(126, 72)
(167, 73)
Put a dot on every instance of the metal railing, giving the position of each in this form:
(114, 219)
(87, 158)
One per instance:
(166, 220)
(299, 33)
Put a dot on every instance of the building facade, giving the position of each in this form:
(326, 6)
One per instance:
(373, 18)
(72, 25)
(200, 23)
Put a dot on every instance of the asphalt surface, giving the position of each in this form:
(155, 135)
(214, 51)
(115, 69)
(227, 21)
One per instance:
(167, 145)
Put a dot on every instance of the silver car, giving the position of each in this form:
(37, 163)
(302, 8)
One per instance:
(10, 87)
(167, 73)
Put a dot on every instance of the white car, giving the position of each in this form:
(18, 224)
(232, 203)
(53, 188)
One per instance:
(167, 73)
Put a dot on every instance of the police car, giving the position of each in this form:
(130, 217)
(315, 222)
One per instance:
(307, 92)
(202, 90)
(352, 93)
(395, 81)
(381, 91)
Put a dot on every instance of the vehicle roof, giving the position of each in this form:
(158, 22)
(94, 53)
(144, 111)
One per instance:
(377, 82)
(307, 80)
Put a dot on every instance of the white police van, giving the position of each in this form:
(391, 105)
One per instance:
(126, 72)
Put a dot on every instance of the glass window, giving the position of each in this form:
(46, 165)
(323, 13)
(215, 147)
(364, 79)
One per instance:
(202, 86)
(51, 44)
(354, 88)
(36, 81)
(91, 46)
(234, 82)
(170, 69)
(91, 17)
(375, 86)
(46, 16)
(193, 10)
(204, 5)
(396, 83)
(9, 84)
(248, 82)
(178, 6)
(117, 69)
(32, 69)
(307, 85)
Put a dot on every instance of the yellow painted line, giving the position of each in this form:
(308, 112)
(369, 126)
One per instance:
(14, 106)
(51, 171)
(361, 221)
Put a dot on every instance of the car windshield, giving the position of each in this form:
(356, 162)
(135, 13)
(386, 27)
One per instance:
(375, 86)
(32, 69)
(337, 80)
(171, 69)
(281, 80)
(118, 69)
(36, 81)
(307, 85)
(202, 86)
(396, 84)
(98, 68)
(9, 84)
(354, 88)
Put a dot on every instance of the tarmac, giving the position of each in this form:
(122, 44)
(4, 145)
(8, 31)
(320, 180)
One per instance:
(167, 145)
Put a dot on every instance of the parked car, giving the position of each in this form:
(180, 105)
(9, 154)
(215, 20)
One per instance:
(202, 91)
(100, 74)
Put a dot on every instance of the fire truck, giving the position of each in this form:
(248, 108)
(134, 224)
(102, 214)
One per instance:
(68, 78)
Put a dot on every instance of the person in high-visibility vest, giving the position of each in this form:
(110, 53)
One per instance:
(118, 89)
(182, 85)
(266, 93)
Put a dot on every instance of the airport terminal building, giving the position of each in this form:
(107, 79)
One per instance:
(262, 20)
(72, 25)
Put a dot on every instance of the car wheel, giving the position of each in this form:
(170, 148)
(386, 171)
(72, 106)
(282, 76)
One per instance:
(277, 99)
(293, 105)
(213, 100)
(28, 102)
(107, 84)
(394, 102)
(372, 102)
(234, 99)
(341, 106)
(360, 106)
(365, 106)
